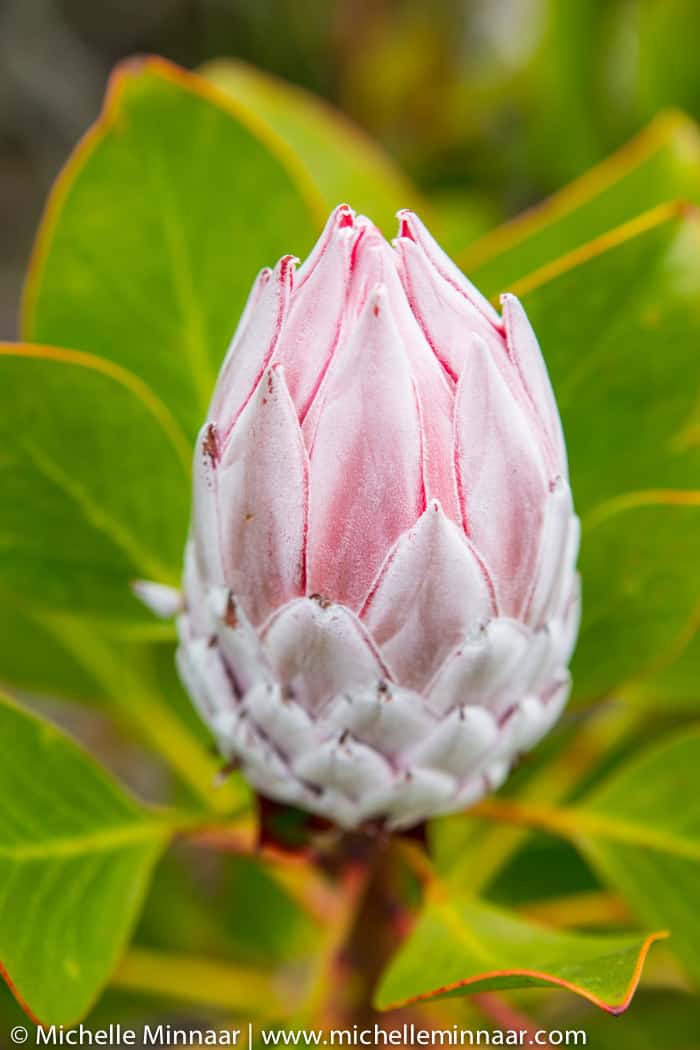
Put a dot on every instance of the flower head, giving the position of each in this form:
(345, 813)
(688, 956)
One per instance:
(380, 589)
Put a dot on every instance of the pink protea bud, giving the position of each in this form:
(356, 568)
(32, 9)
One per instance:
(380, 589)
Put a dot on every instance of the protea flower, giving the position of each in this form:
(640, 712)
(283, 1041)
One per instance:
(380, 598)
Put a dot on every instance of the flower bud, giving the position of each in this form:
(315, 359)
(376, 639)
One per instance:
(380, 596)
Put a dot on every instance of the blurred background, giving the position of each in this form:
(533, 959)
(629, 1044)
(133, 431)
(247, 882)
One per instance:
(489, 104)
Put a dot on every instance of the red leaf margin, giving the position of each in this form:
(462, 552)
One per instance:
(612, 1008)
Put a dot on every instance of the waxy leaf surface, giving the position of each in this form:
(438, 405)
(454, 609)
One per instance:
(661, 164)
(76, 853)
(156, 228)
(619, 328)
(640, 830)
(462, 945)
(84, 511)
(96, 494)
(344, 164)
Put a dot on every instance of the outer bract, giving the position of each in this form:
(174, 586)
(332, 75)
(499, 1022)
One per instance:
(380, 597)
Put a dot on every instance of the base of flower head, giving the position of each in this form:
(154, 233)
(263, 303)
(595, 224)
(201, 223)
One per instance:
(344, 780)
(370, 750)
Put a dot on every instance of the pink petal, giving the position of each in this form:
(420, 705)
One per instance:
(557, 555)
(346, 766)
(365, 475)
(262, 762)
(238, 642)
(496, 773)
(446, 316)
(196, 620)
(563, 627)
(472, 790)
(286, 724)
(263, 493)
(313, 326)
(419, 794)
(524, 350)
(458, 741)
(383, 716)
(431, 594)
(435, 395)
(205, 510)
(318, 649)
(412, 229)
(535, 717)
(253, 344)
(163, 601)
(368, 270)
(437, 441)
(365, 273)
(502, 484)
(204, 676)
(492, 670)
(342, 215)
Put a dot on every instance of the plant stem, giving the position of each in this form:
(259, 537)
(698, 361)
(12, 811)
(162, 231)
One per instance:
(355, 878)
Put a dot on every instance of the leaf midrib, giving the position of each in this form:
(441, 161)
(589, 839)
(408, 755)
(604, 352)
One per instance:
(97, 516)
(86, 843)
(578, 823)
(634, 834)
(463, 933)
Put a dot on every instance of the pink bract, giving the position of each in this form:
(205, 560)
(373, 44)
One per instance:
(380, 595)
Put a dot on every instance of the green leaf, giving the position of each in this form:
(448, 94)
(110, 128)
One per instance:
(204, 982)
(666, 35)
(76, 854)
(461, 945)
(95, 484)
(57, 673)
(96, 494)
(641, 576)
(661, 164)
(277, 931)
(641, 831)
(215, 916)
(618, 327)
(458, 216)
(660, 1018)
(343, 162)
(135, 683)
(132, 681)
(156, 228)
(672, 682)
(565, 94)
(546, 867)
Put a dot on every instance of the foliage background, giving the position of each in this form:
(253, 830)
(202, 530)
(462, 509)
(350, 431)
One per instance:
(489, 106)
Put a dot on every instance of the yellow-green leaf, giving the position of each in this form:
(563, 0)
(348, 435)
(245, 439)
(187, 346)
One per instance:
(342, 161)
(157, 226)
(619, 323)
(76, 853)
(462, 945)
(661, 164)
